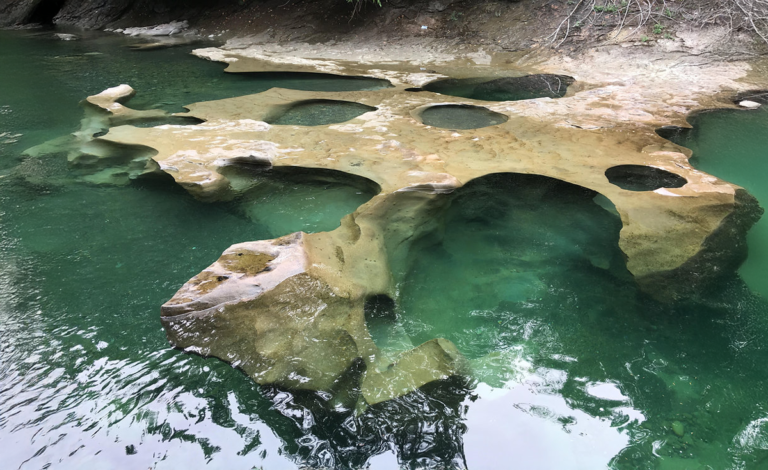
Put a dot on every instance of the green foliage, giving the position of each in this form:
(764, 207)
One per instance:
(644, 39)
(608, 8)
(456, 15)
(658, 28)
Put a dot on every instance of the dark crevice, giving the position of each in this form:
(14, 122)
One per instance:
(504, 89)
(379, 306)
(45, 11)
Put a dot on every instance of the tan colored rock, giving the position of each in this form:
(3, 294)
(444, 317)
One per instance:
(110, 163)
(110, 100)
(663, 229)
(292, 312)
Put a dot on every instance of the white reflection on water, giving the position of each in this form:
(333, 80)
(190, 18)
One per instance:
(537, 431)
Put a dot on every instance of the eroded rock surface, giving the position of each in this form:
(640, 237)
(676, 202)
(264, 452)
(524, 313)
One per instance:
(291, 311)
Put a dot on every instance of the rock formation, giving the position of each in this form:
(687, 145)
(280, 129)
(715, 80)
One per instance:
(291, 311)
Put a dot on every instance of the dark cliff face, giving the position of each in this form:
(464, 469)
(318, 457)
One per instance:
(87, 13)
(94, 14)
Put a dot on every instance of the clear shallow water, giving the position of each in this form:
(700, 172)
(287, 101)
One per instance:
(573, 367)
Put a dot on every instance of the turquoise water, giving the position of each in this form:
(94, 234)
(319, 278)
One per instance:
(733, 144)
(573, 367)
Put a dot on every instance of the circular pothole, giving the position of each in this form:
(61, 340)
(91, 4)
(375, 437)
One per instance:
(319, 113)
(643, 178)
(461, 116)
(504, 89)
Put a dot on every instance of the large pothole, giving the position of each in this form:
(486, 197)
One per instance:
(319, 113)
(461, 116)
(504, 89)
(643, 178)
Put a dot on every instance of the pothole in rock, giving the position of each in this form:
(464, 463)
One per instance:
(643, 178)
(461, 116)
(283, 200)
(168, 120)
(319, 113)
(504, 89)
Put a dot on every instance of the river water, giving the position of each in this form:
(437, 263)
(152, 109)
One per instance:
(574, 368)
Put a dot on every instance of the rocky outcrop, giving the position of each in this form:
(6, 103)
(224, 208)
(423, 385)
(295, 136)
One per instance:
(291, 312)
(103, 162)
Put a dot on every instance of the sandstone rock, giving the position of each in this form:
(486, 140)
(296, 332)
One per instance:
(66, 37)
(293, 315)
(678, 428)
(167, 29)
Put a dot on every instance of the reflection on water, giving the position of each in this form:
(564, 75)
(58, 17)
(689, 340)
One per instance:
(572, 367)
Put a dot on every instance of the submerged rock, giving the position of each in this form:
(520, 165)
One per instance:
(678, 428)
(288, 315)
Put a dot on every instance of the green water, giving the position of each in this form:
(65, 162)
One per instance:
(321, 112)
(733, 144)
(573, 367)
(450, 116)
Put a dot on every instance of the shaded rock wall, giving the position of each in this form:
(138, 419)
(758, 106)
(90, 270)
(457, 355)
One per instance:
(95, 14)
